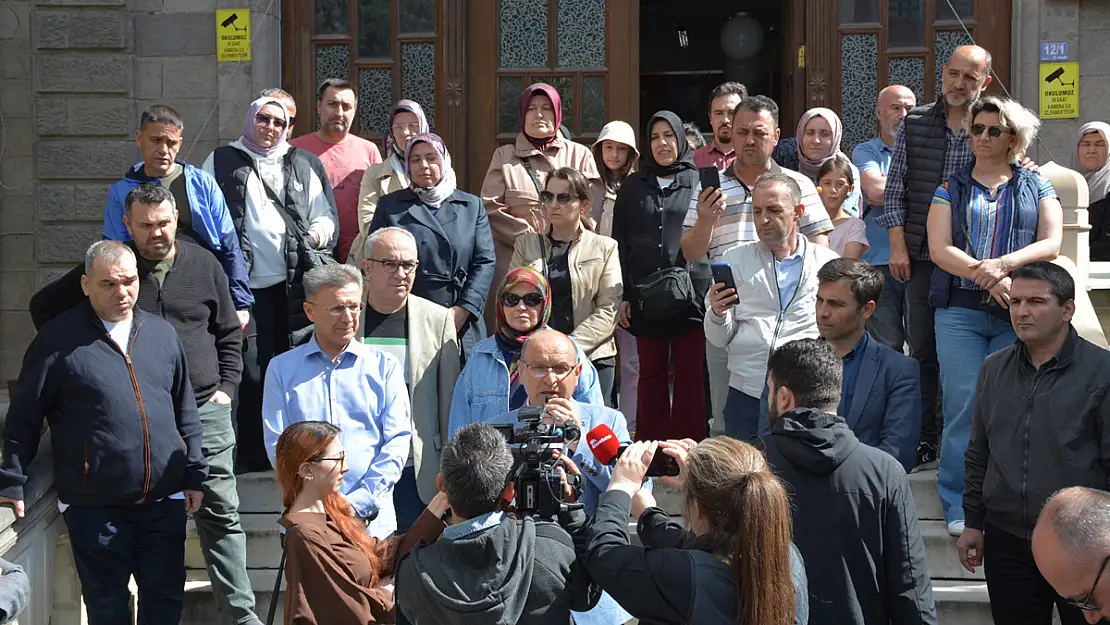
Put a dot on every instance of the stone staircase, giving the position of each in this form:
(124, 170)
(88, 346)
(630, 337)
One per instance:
(960, 596)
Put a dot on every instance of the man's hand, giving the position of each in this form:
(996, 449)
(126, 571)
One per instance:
(711, 204)
(986, 273)
(462, 315)
(561, 411)
(970, 548)
(721, 299)
(438, 506)
(192, 501)
(568, 467)
(899, 256)
(220, 398)
(1001, 292)
(17, 505)
(626, 314)
(244, 318)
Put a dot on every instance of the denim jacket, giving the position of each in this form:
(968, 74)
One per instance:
(482, 390)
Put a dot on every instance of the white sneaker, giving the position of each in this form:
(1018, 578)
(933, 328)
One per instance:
(956, 528)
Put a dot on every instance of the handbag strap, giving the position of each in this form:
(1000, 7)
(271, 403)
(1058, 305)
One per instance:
(527, 162)
(292, 219)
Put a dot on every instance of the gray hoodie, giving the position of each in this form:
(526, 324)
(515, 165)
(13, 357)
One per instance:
(520, 571)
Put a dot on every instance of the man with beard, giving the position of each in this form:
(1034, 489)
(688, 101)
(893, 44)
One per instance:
(345, 156)
(775, 300)
(842, 488)
(722, 103)
(336, 378)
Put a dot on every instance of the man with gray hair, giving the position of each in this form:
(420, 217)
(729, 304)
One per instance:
(774, 301)
(1071, 546)
(112, 382)
(531, 563)
(336, 378)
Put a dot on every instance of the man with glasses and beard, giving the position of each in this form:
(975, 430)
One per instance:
(336, 378)
(1041, 423)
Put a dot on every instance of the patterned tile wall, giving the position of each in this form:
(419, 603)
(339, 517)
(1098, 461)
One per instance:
(858, 88)
(375, 97)
(581, 33)
(523, 33)
(908, 71)
(418, 63)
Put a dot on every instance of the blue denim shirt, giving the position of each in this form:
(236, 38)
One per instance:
(363, 394)
(482, 390)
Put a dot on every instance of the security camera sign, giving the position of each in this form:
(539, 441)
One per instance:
(233, 35)
(1059, 90)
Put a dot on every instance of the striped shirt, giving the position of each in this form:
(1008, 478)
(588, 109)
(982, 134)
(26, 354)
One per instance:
(737, 225)
(990, 233)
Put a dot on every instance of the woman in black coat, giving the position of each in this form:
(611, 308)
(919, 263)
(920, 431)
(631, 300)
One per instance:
(647, 224)
(453, 239)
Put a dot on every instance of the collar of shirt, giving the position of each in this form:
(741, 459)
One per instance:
(354, 347)
(861, 344)
(477, 525)
(797, 256)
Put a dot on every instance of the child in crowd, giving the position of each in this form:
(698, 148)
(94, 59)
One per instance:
(835, 183)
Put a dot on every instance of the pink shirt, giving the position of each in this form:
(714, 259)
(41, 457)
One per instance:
(345, 163)
(712, 155)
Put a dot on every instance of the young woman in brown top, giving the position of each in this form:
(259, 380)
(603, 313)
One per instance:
(336, 573)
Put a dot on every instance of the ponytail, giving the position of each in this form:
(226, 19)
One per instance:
(760, 557)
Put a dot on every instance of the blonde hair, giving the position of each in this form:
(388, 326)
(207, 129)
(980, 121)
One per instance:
(1022, 122)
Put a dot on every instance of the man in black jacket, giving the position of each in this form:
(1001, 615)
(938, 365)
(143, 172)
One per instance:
(185, 285)
(113, 384)
(854, 517)
(1041, 423)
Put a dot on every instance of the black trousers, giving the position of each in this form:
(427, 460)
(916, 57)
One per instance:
(1019, 594)
(267, 336)
(922, 340)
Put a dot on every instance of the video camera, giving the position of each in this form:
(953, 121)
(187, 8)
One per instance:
(539, 487)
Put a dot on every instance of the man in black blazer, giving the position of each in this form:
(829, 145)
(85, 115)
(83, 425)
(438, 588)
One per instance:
(881, 389)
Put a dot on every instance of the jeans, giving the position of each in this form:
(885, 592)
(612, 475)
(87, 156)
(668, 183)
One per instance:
(661, 415)
(888, 322)
(1019, 595)
(267, 336)
(629, 355)
(716, 363)
(606, 375)
(965, 338)
(746, 416)
(923, 347)
(406, 500)
(112, 543)
(222, 539)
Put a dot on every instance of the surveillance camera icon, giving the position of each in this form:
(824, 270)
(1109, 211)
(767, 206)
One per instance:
(230, 21)
(1057, 76)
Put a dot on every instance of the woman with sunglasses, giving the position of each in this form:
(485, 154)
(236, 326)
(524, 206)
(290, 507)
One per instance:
(453, 240)
(490, 385)
(583, 270)
(984, 221)
(406, 120)
(284, 213)
(336, 573)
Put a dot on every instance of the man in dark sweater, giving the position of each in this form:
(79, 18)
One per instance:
(854, 517)
(185, 285)
(113, 384)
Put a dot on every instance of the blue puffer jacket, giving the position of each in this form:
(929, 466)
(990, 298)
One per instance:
(211, 223)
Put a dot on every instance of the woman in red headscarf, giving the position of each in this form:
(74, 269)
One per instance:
(518, 172)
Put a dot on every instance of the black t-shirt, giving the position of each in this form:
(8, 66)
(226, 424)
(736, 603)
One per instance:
(558, 276)
(388, 333)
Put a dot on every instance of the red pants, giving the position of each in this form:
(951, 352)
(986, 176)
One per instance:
(657, 417)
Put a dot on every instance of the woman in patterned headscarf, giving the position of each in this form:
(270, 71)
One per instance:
(489, 387)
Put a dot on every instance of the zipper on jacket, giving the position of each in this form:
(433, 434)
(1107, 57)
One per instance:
(1037, 377)
(86, 478)
(782, 311)
(142, 413)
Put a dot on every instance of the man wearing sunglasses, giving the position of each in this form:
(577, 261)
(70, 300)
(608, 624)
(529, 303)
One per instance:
(1041, 423)
(1071, 545)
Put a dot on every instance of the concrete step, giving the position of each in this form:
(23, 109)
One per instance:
(263, 542)
(258, 492)
(923, 485)
(962, 602)
(200, 604)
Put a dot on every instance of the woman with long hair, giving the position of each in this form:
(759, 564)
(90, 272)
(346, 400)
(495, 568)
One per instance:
(1091, 160)
(490, 385)
(735, 564)
(336, 573)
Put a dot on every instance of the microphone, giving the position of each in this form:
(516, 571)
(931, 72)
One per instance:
(604, 444)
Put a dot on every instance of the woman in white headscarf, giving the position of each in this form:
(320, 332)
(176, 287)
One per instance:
(1091, 161)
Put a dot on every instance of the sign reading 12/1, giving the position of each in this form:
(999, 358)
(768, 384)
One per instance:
(1054, 51)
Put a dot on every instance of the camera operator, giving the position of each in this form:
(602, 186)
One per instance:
(740, 529)
(483, 571)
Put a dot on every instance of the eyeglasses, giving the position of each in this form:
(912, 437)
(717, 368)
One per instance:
(338, 309)
(563, 199)
(337, 460)
(392, 266)
(540, 371)
(1085, 603)
(267, 120)
(993, 132)
(531, 300)
(411, 128)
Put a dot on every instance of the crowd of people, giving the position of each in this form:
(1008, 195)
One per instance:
(840, 321)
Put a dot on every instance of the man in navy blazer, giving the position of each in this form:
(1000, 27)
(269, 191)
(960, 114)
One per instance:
(881, 389)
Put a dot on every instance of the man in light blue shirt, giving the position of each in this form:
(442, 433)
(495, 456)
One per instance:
(872, 158)
(361, 390)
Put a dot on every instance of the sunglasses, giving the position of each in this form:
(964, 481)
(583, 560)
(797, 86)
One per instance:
(531, 300)
(563, 199)
(993, 132)
(1085, 603)
(267, 120)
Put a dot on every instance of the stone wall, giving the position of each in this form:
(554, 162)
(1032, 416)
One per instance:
(74, 77)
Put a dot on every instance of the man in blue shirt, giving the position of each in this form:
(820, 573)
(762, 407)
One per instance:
(873, 161)
(338, 379)
(880, 395)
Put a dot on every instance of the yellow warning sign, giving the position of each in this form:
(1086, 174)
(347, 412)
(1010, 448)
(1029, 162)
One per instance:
(233, 35)
(1059, 90)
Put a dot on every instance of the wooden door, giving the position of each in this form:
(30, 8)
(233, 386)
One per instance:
(585, 48)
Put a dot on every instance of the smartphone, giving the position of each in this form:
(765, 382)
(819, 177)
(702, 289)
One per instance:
(661, 465)
(722, 272)
(710, 178)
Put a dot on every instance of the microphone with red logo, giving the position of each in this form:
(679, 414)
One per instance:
(604, 444)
